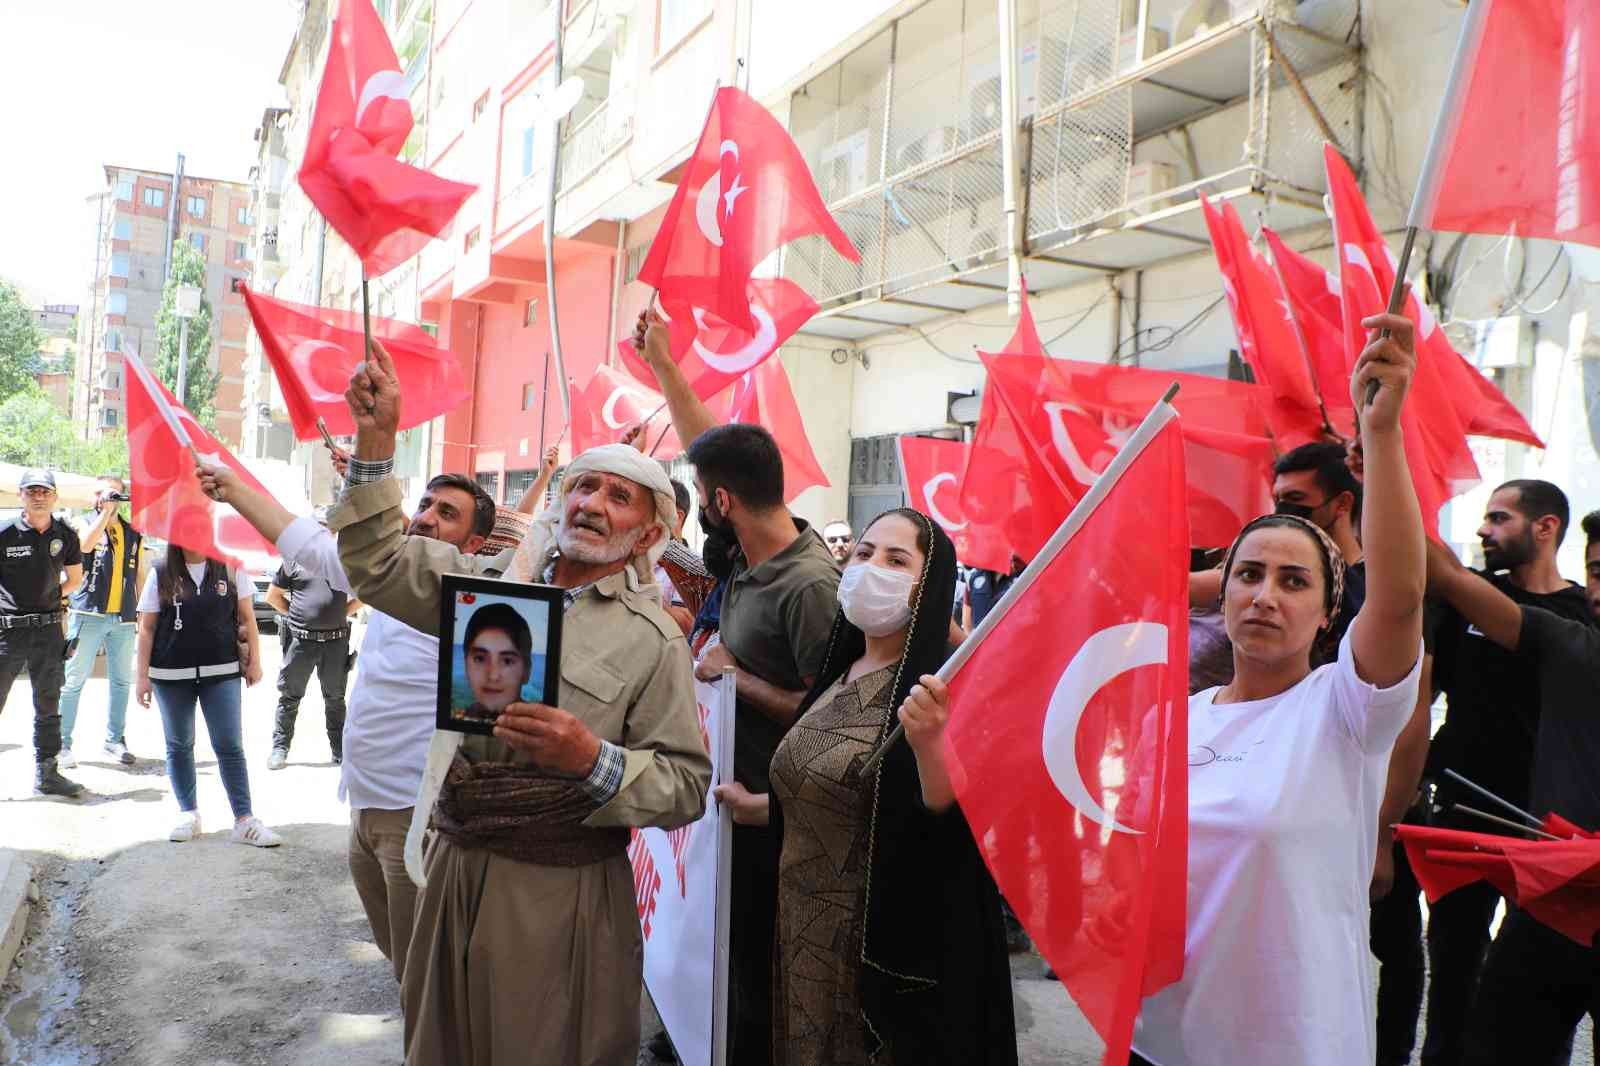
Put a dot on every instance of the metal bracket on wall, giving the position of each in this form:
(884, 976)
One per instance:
(841, 356)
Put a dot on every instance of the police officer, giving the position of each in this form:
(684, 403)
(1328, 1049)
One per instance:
(35, 551)
(315, 621)
(103, 616)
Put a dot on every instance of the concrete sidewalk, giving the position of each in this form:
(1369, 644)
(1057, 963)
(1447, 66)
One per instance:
(17, 893)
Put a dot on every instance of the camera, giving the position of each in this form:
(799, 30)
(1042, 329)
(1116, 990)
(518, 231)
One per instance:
(120, 497)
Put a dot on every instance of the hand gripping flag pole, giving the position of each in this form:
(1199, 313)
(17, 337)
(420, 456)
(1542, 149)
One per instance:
(1162, 413)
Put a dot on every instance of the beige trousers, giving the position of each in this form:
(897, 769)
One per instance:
(514, 964)
(378, 867)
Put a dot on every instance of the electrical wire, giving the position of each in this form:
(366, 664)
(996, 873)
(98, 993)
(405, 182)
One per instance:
(1171, 333)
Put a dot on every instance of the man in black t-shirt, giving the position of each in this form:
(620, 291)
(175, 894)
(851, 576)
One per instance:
(316, 622)
(1489, 731)
(1536, 984)
(40, 565)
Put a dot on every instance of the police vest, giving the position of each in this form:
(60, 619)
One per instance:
(197, 634)
(95, 592)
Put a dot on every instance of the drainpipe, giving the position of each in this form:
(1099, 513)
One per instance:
(559, 9)
(1012, 192)
(172, 218)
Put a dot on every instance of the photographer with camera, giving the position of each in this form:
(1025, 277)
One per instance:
(103, 615)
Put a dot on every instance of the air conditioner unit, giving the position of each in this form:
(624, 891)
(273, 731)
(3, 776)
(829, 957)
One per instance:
(980, 248)
(111, 379)
(983, 108)
(931, 145)
(1146, 183)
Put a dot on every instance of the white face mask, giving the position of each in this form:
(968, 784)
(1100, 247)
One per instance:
(876, 600)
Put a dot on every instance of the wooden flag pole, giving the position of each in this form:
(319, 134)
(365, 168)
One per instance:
(1486, 794)
(366, 315)
(1153, 423)
(1506, 822)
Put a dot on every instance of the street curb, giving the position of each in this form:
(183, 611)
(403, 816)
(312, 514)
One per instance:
(16, 879)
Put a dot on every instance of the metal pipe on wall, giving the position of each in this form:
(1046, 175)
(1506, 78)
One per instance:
(1012, 190)
(559, 9)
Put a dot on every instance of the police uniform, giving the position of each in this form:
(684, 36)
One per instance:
(31, 637)
(103, 615)
(316, 637)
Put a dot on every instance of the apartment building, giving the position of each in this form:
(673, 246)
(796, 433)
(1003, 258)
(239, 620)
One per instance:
(137, 218)
(1073, 156)
(58, 326)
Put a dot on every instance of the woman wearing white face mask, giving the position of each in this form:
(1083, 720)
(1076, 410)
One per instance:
(891, 947)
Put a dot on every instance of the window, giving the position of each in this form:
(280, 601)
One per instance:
(530, 140)
(471, 240)
(530, 313)
(113, 340)
(517, 483)
(108, 417)
(197, 206)
(676, 18)
(235, 285)
(489, 481)
(154, 197)
(241, 215)
(636, 256)
(125, 189)
(530, 396)
(119, 263)
(117, 303)
(241, 250)
(479, 106)
(122, 228)
(199, 242)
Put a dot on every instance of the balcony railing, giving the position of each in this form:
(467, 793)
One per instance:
(591, 142)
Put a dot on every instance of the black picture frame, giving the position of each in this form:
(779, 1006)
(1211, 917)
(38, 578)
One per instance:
(538, 606)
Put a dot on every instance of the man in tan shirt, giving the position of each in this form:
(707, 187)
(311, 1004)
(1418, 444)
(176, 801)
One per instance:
(527, 944)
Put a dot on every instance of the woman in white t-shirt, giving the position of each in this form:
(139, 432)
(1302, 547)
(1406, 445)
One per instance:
(1287, 768)
(190, 613)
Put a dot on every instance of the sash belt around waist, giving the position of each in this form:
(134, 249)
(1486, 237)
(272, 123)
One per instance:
(518, 813)
(193, 673)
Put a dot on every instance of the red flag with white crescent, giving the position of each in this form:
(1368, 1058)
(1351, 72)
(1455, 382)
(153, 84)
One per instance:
(385, 209)
(314, 350)
(1311, 294)
(745, 192)
(932, 468)
(167, 501)
(1075, 784)
(714, 355)
(610, 403)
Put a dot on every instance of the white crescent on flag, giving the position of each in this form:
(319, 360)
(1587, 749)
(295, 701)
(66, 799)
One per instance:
(928, 491)
(608, 410)
(301, 356)
(385, 84)
(1107, 654)
(748, 354)
(706, 202)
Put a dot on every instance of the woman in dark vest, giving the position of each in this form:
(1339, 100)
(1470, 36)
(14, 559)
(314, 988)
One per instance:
(890, 943)
(190, 613)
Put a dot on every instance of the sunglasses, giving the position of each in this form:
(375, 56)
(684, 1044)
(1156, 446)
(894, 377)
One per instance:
(838, 540)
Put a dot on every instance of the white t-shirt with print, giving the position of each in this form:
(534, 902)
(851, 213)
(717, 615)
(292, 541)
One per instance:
(1283, 827)
(150, 596)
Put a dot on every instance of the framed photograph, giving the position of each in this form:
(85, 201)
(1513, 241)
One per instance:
(499, 643)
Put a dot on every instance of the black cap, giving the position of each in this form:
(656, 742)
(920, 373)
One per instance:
(37, 479)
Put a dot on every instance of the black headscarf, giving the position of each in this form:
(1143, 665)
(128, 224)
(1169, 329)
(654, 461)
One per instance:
(934, 978)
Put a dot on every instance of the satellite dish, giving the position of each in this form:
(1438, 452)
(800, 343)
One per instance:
(558, 104)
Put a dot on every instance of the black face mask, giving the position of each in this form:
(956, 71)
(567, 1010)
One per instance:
(719, 551)
(1295, 510)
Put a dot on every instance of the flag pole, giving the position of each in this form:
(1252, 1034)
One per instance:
(1445, 125)
(1506, 822)
(366, 315)
(1160, 414)
(1486, 794)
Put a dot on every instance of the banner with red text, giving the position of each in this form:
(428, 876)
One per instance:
(681, 883)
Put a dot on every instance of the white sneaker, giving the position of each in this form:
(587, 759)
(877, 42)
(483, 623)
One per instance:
(188, 827)
(252, 832)
(65, 761)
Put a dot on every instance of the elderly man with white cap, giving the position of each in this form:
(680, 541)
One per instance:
(527, 944)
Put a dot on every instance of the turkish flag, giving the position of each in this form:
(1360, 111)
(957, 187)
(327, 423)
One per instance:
(932, 468)
(385, 209)
(1441, 461)
(611, 403)
(1075, 782)
(1265, 327)
(167, 501)
(714, 355)
(1063, 419)
(1312, 294)
(745, 191)
(1516, 148)
(764, 396)
(313, 352)
(1556, 881)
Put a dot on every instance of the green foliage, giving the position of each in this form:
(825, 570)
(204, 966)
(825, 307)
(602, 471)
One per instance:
(20, 340)
(34, 433)
(188, 268)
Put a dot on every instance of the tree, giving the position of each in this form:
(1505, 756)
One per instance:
(20, 341)
(200, 388)
(34, 433)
